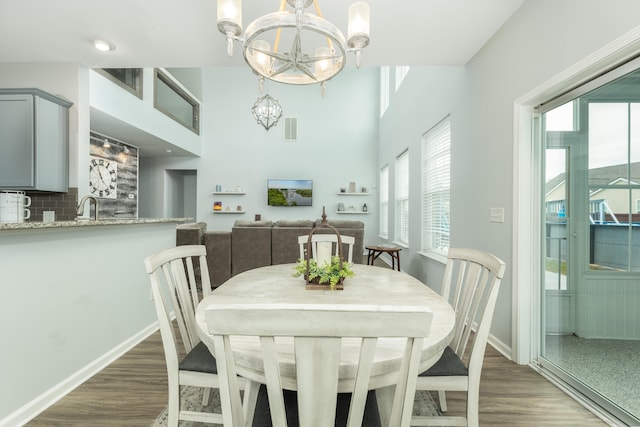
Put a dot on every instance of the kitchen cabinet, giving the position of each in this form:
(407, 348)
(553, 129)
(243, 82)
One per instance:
(34, 141)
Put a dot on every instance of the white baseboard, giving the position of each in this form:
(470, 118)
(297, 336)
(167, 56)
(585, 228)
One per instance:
(502, 348)
(29, 411)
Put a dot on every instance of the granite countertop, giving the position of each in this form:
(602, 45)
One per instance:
(89, 223)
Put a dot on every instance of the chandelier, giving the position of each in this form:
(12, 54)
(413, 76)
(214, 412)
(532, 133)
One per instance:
(267, 111)
(314, 51)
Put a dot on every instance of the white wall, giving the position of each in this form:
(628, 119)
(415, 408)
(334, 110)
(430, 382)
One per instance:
(110, 99)
(543, 38)
(338, 137)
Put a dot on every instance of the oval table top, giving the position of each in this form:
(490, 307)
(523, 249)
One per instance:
(370, 285)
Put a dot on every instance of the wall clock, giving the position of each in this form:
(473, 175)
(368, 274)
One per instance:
(103, 176)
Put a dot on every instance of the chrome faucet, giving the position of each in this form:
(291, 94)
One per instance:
(80, 209)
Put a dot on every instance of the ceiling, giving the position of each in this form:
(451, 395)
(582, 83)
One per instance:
(169, 33)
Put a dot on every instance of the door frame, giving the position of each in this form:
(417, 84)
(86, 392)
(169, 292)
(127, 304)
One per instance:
(527, 188)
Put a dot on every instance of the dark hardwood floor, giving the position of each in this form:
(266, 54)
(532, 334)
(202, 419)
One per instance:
(132, 392)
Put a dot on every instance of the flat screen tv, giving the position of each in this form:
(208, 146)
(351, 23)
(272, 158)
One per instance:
(289, 192)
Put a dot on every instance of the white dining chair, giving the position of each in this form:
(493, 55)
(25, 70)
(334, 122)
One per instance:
(317, 332)
(175, 292)
(471, 283)
(349, 241)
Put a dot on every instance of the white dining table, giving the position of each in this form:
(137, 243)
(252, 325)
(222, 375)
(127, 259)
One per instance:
(370, 285)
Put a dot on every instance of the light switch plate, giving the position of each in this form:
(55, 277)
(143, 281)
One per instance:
(496, 215)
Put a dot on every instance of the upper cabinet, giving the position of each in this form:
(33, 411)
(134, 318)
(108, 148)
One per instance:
(34, 141)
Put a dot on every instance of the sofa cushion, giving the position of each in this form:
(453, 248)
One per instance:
(218, 244)
(250, 247)
(240, 223)
(284, 240)
(303, 223)
(342, 223)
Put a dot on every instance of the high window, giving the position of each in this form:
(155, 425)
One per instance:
(401, 73)
(436, 188)
(384, 90)
(402, 198)
(129, 79)
(384, 201)
(175, 101)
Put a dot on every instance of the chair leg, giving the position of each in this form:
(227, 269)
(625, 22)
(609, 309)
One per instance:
(442, 398)
(206, 396)
(173, 408)
(249, 399)
(473, 418)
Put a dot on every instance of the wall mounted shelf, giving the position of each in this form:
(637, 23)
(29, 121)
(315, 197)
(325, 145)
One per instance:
(228, 193)
(352, 213)
(352, 194)
(228, 212)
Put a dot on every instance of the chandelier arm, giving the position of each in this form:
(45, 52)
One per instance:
(282, 69)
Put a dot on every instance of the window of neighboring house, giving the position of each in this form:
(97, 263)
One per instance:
(402, 198)
(401, 73)
(384, 90)
(436, 188)
(384, 202)
(129, 79)
(175, 101)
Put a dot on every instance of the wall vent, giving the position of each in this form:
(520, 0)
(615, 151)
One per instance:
(290, 129)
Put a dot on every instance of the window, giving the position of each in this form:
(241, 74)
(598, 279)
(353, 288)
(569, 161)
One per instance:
(175, 101)
(402, 198)
(384, 90)
(401, 73)
(129, 79)
(436, 187)
(384, 202)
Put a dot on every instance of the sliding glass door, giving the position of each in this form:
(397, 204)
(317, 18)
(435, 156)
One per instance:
(590, 290)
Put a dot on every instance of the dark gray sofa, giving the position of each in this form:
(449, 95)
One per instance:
(252, 244)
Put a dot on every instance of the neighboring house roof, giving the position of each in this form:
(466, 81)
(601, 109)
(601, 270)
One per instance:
(601, 176)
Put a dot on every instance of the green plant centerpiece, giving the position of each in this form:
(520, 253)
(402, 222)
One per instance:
(327, 274)
(326, 271)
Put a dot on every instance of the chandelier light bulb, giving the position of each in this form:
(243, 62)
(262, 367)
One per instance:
(230, 21)
(264, 60)
(230, 11)
(323, 64)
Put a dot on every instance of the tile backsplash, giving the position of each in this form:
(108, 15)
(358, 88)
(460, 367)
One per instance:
(63, 204)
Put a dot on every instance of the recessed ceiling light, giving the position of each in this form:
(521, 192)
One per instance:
(103, 46)
(169, 151)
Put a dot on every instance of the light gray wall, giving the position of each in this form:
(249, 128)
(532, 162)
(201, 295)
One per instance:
(73, 298)
(337, 144)
(543, 38)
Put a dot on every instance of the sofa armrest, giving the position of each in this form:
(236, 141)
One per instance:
(190, 234)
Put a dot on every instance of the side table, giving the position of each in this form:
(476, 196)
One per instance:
(375, 251)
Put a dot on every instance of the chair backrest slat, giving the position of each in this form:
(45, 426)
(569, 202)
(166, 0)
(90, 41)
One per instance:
(477, 275)
(315, 238)
(173, 278)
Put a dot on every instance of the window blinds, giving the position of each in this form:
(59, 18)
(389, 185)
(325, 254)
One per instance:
(436, 186)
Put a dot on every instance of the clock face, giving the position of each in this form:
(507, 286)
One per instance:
(103, 176)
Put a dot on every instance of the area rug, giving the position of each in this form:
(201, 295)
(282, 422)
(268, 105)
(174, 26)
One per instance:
(192, 401)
